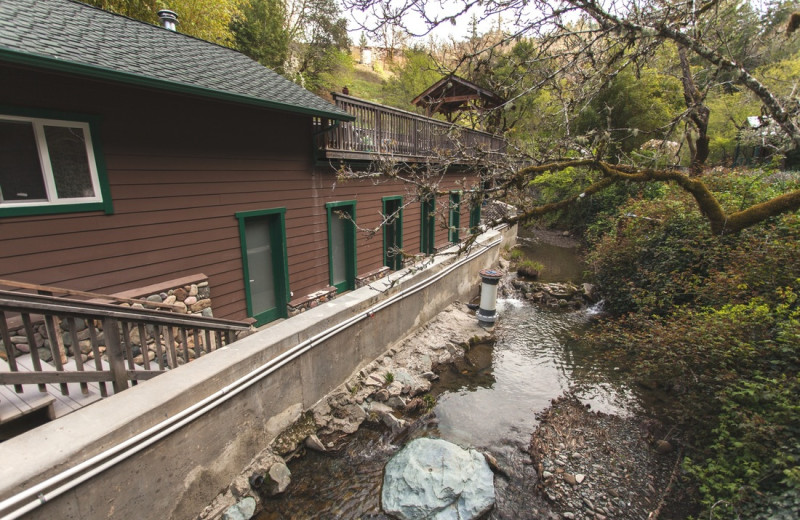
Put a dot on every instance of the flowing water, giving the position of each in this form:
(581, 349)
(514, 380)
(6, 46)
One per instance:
(492, 408)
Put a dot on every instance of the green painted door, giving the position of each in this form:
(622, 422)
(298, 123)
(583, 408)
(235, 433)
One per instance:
(475, 216)
(427, 230)
(455, 216)
(342, 244)
(393, 232)
(264, 264)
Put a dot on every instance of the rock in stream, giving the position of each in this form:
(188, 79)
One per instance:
(437, 480)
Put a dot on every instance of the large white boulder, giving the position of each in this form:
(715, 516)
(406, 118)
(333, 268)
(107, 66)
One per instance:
(433, 479)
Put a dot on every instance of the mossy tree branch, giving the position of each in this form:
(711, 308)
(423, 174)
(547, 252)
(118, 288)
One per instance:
(720, 221)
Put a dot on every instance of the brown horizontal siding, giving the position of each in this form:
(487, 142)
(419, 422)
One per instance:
(221, 186)
(290, 199)
(238, 165)
(112, 275)
(177, 180)
(83, 238)
(126, 255)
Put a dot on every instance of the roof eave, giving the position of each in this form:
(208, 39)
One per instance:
(81, 69)
(430, 89)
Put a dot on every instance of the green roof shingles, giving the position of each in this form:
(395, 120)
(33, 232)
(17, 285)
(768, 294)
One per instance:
(70, 36)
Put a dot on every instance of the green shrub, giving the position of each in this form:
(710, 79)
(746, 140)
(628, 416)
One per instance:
(715, 322)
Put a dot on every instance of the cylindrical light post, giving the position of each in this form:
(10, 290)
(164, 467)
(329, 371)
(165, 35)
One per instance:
(487, 312)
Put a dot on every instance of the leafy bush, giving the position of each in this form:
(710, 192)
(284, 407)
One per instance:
(715, 322)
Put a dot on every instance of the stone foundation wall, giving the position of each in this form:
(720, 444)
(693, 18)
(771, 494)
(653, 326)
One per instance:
(371, 276)
(189, 295)
(300, 305)
(310, 301)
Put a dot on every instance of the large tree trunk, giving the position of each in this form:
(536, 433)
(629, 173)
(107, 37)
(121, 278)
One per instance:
(698, 115)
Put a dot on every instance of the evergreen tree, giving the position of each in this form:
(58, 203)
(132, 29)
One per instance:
(260, 32)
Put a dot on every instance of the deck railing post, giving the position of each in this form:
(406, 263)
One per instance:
(414, 142)
(116, 358)
(378, 132)
(10, 351)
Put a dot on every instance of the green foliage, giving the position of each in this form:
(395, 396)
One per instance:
(517, 255)
(418, 71)
(633, 108)
(590, 212)
(260, 32)
(530, 266)
(388, 377)
(205, 19)
(318, 44)
(338, 65)
(757, 446)
(715, 323)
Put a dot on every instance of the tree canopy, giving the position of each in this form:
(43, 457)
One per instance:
(616, 75)
(206, 19)
(305, 40)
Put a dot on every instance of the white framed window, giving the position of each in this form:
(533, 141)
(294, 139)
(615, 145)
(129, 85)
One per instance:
(46, 163)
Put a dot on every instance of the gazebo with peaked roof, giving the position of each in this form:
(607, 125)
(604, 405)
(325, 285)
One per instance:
(454, 94)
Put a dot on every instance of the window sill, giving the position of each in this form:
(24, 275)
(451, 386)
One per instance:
(10, 210)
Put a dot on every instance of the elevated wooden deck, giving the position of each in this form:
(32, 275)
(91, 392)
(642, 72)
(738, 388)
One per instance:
(14, 405)
(94, 348)
(380, 130)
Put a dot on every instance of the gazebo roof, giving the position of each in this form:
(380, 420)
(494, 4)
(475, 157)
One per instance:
(452, 93)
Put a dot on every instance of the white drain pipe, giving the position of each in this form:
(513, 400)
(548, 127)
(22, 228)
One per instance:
(71, 478)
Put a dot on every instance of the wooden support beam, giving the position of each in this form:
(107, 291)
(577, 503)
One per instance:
(28, 378)
(454, 99)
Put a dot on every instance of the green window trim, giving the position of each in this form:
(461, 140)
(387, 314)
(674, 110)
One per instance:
(455, 217)
(279, 261)
(427, 224)
(95, 155)
(387, 261)
(351, 252)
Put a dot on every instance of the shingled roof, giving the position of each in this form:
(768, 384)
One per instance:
(69, 36)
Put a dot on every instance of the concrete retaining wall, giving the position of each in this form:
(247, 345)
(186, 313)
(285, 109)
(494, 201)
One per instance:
(180, 474)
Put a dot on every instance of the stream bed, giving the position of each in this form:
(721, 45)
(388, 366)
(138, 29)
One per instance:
(491, 407)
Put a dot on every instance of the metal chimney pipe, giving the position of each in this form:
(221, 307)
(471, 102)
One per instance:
(169, 19)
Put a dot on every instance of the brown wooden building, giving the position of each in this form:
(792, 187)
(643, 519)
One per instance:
(132, 155)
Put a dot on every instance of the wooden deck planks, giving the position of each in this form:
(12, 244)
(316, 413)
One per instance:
(14, 405)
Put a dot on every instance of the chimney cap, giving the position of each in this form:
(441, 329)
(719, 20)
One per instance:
(168, 18)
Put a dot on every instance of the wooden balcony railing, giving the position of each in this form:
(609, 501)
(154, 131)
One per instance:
(100, 343)
(382, 130)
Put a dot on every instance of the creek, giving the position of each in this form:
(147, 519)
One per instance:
(491, 406)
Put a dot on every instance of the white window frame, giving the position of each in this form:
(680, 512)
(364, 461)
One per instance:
(47, 170)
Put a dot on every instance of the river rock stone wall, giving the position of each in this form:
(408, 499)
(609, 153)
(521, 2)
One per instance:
(310, 301)
(327, 294)
(194, 298)
(371, 276)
